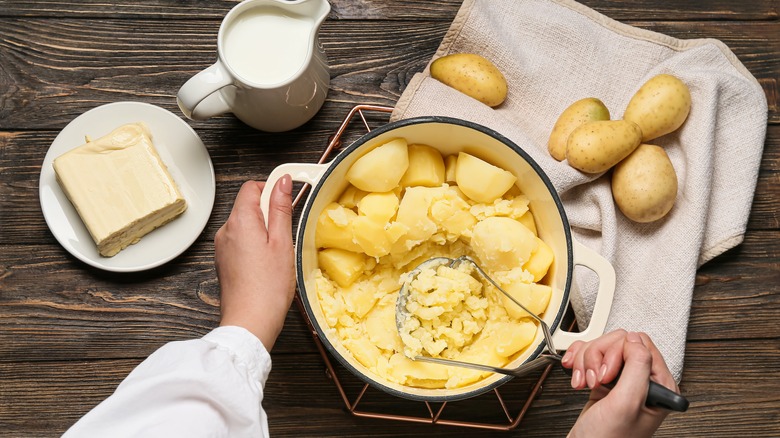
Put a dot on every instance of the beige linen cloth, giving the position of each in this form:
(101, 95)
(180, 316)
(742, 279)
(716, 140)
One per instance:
(554, 52)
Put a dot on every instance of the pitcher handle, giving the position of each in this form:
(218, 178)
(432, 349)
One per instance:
(301, 172)
(199, 97)
(589, 258)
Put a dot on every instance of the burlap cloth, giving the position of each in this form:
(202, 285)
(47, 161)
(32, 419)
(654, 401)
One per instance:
(554, 52)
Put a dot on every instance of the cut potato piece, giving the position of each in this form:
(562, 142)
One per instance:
(480, 180)
(379, 207)
(374, 238)
(527, 219)
(512, 337)
(351, 196)
(381, 169)
(535, 297)
(334, 228)
(449, 168)
(343, 267)
(502, 243)
(540, 261)
(426, 167)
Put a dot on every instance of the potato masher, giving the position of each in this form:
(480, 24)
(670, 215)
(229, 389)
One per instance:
(657, 396)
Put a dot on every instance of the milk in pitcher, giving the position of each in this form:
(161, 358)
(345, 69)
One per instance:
(268, 45)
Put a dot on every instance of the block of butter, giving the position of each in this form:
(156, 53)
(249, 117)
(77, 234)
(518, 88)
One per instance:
(120, 187)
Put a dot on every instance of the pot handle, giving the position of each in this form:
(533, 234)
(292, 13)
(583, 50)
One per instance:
(589, 258)
(301, 172)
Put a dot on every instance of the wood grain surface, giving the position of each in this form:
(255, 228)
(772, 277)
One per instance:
(70, 333)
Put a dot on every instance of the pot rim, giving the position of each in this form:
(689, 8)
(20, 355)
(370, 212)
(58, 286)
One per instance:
(331, 166)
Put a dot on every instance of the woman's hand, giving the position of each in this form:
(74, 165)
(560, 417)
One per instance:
(255, 264)
(620, 412)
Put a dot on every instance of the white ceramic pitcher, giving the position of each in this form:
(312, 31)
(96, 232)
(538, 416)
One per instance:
(271, 70)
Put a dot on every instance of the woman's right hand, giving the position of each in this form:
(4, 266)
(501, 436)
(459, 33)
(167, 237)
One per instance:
(621, 411)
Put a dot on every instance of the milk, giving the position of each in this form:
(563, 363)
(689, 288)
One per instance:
(267, 45)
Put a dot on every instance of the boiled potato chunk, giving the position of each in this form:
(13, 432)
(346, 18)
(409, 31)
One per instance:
(644, 185)
(480, 180)
(527, 219)
(426, 167)
(364, 351)
(380, 207)
(502, 243)
(374, 238)
(597, 146)
(334, 228)
(453, 214)
(540, 261)
(660, 106)
(414, 211)
(351, 196)
(380, 326)
(513, 336)
(472, 75)
(405, 368)
(449, 168)
(343, 267)
(381, 169)
(535, 297)
(580, 112)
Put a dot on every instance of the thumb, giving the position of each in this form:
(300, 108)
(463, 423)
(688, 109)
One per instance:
(280, 208)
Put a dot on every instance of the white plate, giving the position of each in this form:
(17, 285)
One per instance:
(188, 162)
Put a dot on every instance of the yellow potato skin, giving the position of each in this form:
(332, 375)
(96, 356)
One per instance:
(580, 112)
(597, 146)
(644, 185)
(660, 106)
(472, 75)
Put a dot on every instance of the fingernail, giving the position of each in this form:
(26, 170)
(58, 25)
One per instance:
(576, 379)
(285, 184)
(602, 373)
(633, 337)
(566, 357)
(590, 377)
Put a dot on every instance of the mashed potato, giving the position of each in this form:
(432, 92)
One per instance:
(368, 241)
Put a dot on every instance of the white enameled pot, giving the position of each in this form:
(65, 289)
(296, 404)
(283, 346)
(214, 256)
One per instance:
(450, 136)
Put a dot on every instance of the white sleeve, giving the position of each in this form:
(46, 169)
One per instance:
(211, 386)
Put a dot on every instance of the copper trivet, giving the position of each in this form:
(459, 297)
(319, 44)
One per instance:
(431, 414)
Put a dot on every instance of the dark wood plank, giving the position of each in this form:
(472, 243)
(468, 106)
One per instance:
(378, 9)
(299, 392)
(371, 62)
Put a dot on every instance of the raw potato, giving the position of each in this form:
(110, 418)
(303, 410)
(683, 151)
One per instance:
(644, 185)
(580, 112)
(472, 75)
(381, 169)
(426, 167)
(480, 180)
(660, 106)
(597, 146)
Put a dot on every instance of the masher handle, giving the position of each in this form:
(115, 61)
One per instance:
(658, 396)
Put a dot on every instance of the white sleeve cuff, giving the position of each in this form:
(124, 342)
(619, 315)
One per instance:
(248, 351)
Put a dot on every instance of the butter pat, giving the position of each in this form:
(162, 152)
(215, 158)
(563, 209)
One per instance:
(120, 187)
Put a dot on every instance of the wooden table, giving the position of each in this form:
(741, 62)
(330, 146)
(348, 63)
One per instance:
(70, 333)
